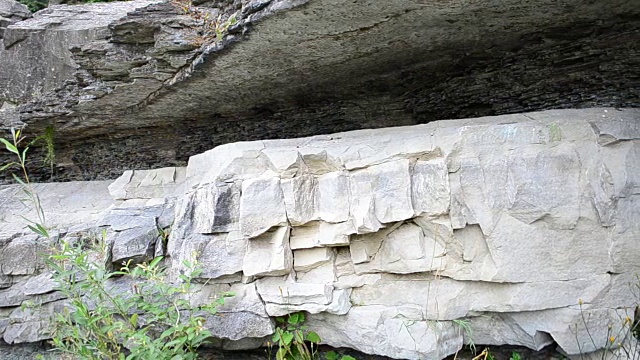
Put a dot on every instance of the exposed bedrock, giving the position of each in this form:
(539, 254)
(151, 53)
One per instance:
(128, 86)
(389, 238)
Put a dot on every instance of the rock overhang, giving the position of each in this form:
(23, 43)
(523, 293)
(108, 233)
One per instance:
(327, 50)
(299, 68)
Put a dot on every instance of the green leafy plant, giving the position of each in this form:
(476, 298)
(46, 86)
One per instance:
(515, 356)
(154, 320)
(34, 5)
(14, 147)
(291, 337)
(47, 139)
(332, 355)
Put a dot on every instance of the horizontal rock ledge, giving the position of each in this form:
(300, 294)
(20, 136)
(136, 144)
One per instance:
(502, 223)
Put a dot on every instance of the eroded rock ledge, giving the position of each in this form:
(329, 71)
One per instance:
(505, 222)
(127, 86)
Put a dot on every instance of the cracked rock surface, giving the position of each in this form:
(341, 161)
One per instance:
(134, 87)
(388, 238)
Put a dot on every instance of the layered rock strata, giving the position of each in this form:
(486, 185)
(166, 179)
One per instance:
(523, 227)
(113, 77)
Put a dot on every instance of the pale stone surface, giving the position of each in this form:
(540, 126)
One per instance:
(393, 332)
(11, 9)
(32, 324)
(305, 237)
(241, 316)
(447, 299)
(274, 290)
(20, 255)
(430, 187)
(136, 244)
(269, 254)
(65, 204)
(404, 234)
(40, 284)
(307, 259)
(333, 197)
(301, 199)
(218, 256)
(216, 208)
(261, 206)
(402, 250)
(339, 305)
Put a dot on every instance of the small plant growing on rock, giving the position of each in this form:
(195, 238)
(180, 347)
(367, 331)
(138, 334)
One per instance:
(622, 341)
(151, 320)
(332, 355)
(464, 326)
(291, 337)
(14, 147)
(212, 29)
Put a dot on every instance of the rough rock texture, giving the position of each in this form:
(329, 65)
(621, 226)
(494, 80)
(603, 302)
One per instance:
(138, 80)
(10, 12)
(390, 239)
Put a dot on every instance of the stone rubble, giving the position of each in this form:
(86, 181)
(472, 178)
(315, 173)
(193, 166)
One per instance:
(389, 239)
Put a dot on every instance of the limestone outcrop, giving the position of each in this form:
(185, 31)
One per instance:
(523, 227)
(10, 12)
(115, 77)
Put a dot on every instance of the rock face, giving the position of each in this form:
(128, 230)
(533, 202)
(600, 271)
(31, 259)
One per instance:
(522, 228)
(10, 12)
(134, 85)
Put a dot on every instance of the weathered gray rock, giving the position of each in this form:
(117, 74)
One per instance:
(41, 284)
(69, 204)
(242, 316)
(217, 208)
(20, 256)
(504, 224)
(48, 37)
(147, 184)
(307, 259)
(274, 290)
(13, 9)
(262, 206)
(137, 244)
(10, 12)
(32, 324)
(219, 256)
(144, 69)
(269, 254)
(399, 249)
(494, 217)
(446, 299)
(301, 199)
(397, 332)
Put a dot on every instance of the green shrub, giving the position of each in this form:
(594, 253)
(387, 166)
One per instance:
(34, 5)
(291, 337)
(155, 320)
